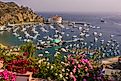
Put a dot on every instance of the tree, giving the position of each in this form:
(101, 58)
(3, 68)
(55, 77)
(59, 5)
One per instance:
(29, 48)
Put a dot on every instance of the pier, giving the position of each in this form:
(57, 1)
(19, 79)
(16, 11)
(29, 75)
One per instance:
(71, 23)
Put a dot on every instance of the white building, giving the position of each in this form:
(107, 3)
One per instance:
(55, 19)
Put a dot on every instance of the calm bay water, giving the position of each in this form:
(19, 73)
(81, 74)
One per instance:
(111, 26)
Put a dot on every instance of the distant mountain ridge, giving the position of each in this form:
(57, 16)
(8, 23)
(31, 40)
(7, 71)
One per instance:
(11, 13)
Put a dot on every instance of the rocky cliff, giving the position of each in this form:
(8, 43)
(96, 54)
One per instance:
(11, 13)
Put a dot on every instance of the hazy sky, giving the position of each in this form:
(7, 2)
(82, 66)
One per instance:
(72, 5)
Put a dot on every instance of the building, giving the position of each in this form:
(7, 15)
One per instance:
(55, 19)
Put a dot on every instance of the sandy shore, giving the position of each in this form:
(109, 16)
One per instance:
(3, 46)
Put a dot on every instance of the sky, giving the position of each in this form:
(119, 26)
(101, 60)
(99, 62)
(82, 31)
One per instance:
(72, 5)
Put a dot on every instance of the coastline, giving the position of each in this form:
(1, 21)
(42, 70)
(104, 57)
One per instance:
(23, 23)
(3, 46)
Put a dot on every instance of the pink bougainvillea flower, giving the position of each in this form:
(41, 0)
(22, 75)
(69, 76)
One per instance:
(73, 62)
(74, 70)
(69, 55)
(84, 79)
(86, 69)
(85, 60)
(79, 66)
(90, 66)
(72, 76)
(82, 61)
(87, 74)
(8, 76)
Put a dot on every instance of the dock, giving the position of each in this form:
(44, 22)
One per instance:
(71, 23)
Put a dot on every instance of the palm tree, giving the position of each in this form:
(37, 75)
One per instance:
(29, 48)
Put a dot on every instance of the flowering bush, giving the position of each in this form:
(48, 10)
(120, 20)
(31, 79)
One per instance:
(21, 66)
(51, 70)
(21, 62)
(76, 67)
(7, 76)
(73, 67)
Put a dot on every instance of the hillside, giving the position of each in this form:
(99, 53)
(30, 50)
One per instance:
(11, 13)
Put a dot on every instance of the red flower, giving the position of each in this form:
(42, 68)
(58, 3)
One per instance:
(23, 71)
(25, 54)
(9, 68)
(14, 62)
(90, 75)
(25, 62)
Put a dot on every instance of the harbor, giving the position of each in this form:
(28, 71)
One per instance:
(76, 35)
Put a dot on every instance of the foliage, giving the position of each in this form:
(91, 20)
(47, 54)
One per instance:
(73, 67)
(3, 52)
(28, 49)
(76, 66)
(50, 70)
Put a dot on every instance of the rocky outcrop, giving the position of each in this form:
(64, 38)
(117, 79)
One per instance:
(11, 13)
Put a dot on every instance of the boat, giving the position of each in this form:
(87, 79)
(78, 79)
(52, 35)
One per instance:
(2, 28)
(102, 20)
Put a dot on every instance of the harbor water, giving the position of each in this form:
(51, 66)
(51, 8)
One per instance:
(111, 27)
